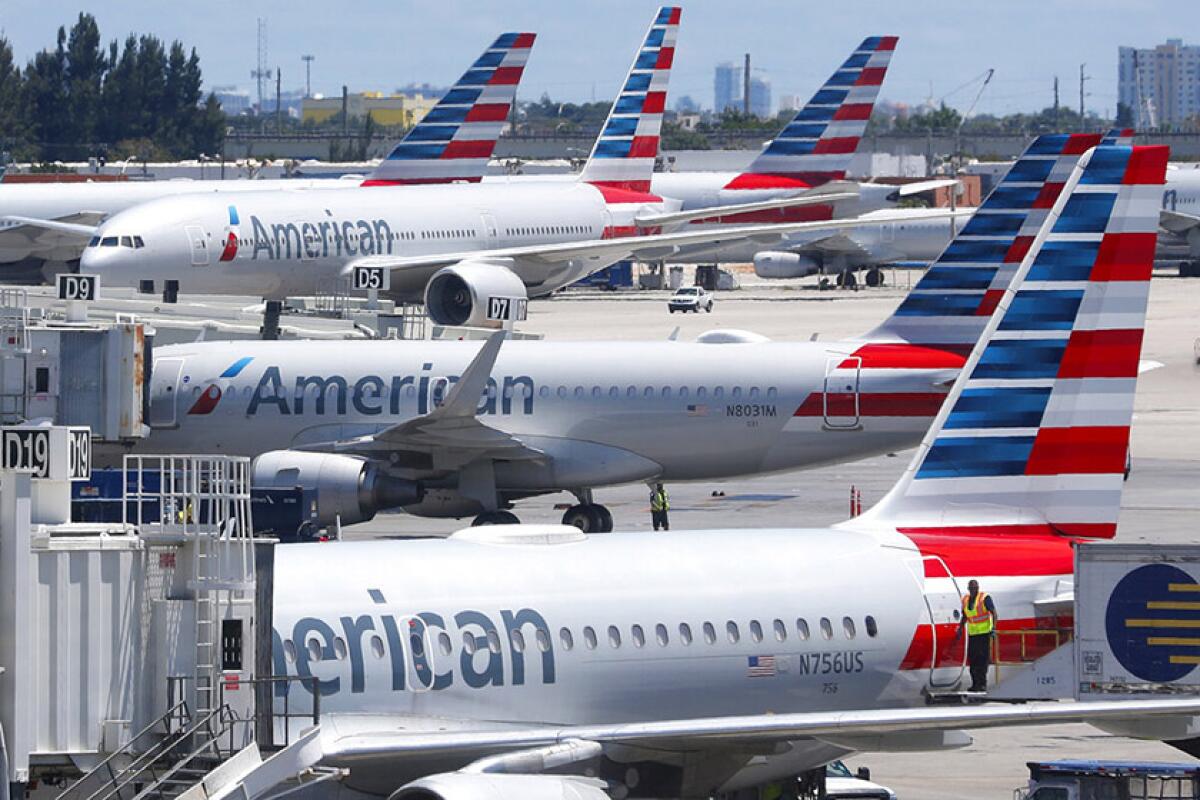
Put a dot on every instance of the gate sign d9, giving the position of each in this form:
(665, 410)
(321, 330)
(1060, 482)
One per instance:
(77, 287)
(57, 453)
(367, 278)
(505, 309)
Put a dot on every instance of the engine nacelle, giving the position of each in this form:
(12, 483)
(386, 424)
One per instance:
(778, 264)
(500, 786)
(475, 293)
(348, 488)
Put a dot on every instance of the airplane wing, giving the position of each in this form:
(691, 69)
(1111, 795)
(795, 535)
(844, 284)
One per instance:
(806, 199)
(595, 254)
(70, 232)
(347, 739)
(1177, 221)
(451, 435)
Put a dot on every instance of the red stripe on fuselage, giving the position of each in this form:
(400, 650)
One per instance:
(871, 404)
(419, 181)
(754, 180)
(773, 215)
(904, 356)
(615, 192)
(982, 550)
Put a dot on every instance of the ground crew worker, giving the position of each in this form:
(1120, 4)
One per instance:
(979, 620)
(659, 506)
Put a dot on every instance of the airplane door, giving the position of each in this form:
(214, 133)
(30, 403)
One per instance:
(840, 399)
(943, 603)
(490, 231)
(164, 387)
(199, 245)
(416, 641)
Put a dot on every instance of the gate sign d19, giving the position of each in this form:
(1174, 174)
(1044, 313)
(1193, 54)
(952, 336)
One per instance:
(57, 453)
(77, 287)
(506, 309)
(367, 278)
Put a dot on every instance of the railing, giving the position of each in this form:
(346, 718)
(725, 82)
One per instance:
(262, 722)
(1001, 653)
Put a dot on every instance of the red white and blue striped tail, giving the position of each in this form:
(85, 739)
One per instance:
(624, 153)
(817, 145)
(1119, 136)
(1034, 434)
(952, 302)
(455, 140)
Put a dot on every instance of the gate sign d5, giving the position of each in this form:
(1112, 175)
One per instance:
(55, 453)
(367, 278)
(77, 287)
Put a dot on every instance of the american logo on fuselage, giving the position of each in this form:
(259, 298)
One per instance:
(322, 239)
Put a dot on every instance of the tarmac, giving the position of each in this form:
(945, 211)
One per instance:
(1161, 503)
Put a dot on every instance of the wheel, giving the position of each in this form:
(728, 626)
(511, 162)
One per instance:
(708, 308)
(874, 277)
(496, 518)
(671, 310)
(588, 518)
(846, 279)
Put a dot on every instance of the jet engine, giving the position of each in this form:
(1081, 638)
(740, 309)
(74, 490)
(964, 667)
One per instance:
(475, 293)
(349, 488)
(501, 786)
(779, 264)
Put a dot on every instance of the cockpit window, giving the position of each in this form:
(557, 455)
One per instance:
(137, 242)
(95, 241)
(126, 241)
(108, 241)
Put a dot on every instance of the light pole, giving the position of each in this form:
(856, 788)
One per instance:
(307, 59)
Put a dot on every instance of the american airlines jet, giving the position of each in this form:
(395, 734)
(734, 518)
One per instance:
(455, 247)
(453, 429)
(513, 662)
(47, 226)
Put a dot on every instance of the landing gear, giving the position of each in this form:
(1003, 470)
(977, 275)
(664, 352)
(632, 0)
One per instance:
(846, 279)
(496, 518)
(1189, 269)
(270, 327)
(170, 291)
(589, 518)
(874, 277)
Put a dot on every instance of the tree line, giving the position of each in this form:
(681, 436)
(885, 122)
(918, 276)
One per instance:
(80, 99)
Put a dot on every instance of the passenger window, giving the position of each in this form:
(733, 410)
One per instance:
(562, 391)
(631, 391)
(614, 636)
(780, 631)
(826, 628)
(493, 641)
(544, 391)
(444, 644)
(339, 648)
(772, 393)
(289, 651)
(872, 628)
(683, 392)
(802, 628)
(567, 638)
(638, 636)
(700, 393)
(518, 641)
(755, 630)
(376, 646)
(579, 392)
(685, 633)
(543, 640)
(648, 392)
(660, 633)
(848, 627)
(469, 644)
(731, 630)
(737, 392)
(718, 393)
(666, 392)
(313, 646)
(710, 633)
(589, 637)
(753, 392)
(597, 392)
(614, 392)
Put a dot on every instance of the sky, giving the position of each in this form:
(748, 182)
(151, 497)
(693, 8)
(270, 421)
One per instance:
(584, 47)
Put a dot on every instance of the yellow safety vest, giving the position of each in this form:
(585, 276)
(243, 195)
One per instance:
(658, 501)
(979, 620)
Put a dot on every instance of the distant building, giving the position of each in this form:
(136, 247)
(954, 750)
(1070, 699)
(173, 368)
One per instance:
(389, 110)
(791, 102)
(234, 101)
(727, 88)
(760, 97)
(686, 105)
(292, 102)
(727, 91)
(1161, 85)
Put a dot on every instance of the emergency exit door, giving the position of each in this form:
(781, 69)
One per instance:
(199, 245)
(164, 389)
(840, 399)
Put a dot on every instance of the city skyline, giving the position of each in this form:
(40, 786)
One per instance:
(942, 46)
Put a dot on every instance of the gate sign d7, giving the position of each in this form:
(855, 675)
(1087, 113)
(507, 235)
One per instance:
(367, 278)
(77, 287)
(507, 309)
(54, 453)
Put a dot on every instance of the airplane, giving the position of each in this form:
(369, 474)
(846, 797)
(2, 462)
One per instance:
(455, 247)
(453, 429)
(539, 661)
(1180, 214)
(44, 228)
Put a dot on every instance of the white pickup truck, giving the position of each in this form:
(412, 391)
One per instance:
(690, 298)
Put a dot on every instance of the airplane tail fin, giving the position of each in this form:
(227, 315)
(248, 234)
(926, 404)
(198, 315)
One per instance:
(1033, 436)
(817, 145)
(1119, 136)
(952, 302)
(624, 153)
(455, 140)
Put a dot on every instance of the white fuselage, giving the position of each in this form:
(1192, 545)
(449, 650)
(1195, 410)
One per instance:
(605, 412)
(54, 201)
(533, 633)
(298, 243)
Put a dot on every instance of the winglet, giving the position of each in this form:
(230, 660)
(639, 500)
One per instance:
(463, 399)
(455, 140)
(624, 153)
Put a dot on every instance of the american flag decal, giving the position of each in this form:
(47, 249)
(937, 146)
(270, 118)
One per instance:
(697, 410)
(760, 666)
